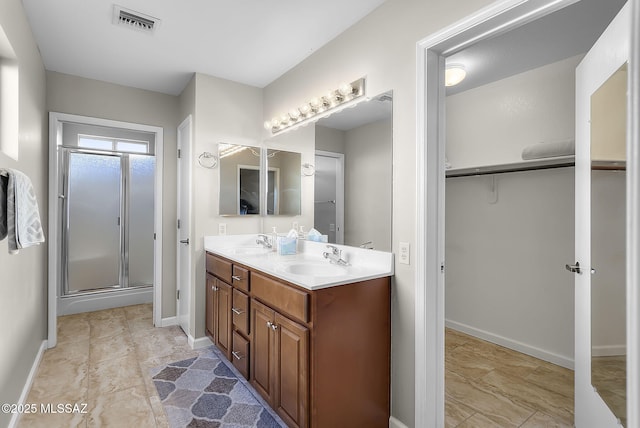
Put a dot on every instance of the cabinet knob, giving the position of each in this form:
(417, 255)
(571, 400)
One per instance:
(214, 288)
(272, 326)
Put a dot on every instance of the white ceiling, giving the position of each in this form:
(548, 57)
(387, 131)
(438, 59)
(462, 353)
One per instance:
(248, 41)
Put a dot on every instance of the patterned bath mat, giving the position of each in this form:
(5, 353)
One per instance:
(207, 392)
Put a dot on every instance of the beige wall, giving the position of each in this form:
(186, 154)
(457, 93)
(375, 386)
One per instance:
(23, 284)
(86, 97)
(227, 112)
(382, 47)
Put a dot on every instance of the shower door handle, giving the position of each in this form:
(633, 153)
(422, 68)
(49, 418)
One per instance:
(184, 241)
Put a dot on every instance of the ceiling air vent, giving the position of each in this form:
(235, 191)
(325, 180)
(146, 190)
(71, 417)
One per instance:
(135, 20)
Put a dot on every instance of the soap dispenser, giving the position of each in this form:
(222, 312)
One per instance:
(274, 239)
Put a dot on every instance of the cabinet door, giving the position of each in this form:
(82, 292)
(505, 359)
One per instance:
(211, 305)
(223, 318)
(292, 372)
(262, 350)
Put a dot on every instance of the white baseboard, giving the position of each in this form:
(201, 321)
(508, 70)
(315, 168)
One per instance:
(543, 354)
(608, 351)
(202, 342)
(167, 322)
(394, 423)
(27, 385)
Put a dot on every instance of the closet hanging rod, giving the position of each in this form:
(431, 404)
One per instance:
(563, 162)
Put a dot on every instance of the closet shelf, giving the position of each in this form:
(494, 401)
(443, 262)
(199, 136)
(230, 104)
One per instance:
(557, 162)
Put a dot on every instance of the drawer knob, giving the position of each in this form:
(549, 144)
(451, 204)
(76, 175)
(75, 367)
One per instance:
(272, 326)
(237, 311)
(237, 355)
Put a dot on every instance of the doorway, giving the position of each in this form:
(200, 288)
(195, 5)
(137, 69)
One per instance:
(430, 301)
(105, 199)
(328, 202)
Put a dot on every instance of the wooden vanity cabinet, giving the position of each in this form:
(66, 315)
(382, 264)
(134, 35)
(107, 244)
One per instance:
(320, 358)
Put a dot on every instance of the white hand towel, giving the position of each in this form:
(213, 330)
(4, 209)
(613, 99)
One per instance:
(24, 228)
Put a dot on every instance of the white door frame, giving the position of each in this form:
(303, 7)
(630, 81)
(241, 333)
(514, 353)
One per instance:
(56, 121)
(497, 18)
(185, 146)
(339, 192)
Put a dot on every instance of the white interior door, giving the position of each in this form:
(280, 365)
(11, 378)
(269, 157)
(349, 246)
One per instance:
(183, 267)
(609, 54)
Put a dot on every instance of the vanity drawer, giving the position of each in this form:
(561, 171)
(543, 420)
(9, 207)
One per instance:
(240, 311)
(219, 267)
(240, 354)
(240, 278)
(280, 296)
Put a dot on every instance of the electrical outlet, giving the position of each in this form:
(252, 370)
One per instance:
(332, 227)
(222, 228)
(405, 253)
(294, 226)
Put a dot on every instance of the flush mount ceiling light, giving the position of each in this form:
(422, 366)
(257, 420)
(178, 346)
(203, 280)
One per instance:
(318, 106)
(454, 74)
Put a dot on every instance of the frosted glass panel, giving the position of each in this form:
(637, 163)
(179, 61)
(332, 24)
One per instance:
(93, 199)
(141, 200)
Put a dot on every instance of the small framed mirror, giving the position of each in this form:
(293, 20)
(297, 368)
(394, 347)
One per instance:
(239, 179)
(284, 183)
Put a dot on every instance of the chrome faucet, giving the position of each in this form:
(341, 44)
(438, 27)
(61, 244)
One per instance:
(264, 241)
(335, 256)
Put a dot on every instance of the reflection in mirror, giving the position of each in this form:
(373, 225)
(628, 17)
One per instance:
(353, 178)
(239, 179)
(284, 184)
(608, 212)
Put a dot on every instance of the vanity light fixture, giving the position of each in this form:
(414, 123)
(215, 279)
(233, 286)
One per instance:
(317, 106)
(454, 74)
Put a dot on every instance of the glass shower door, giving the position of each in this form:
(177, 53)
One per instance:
(139, 225)
(93, 218)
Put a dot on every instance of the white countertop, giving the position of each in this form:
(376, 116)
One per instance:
(364, 264)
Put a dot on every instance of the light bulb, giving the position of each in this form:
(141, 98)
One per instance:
(284, 119)
(267, 125)
(294, 114)
(315, 102)
(275, 122)
(454, 74)
(305, 109)
(345, 89)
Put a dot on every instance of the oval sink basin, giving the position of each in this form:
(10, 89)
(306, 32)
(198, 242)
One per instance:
(315, 269)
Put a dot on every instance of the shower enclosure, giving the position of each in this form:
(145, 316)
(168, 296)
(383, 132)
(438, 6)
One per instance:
(107, 228)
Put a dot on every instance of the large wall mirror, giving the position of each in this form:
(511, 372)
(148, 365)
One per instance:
(608, 240)
(239, 179)
(353, 174)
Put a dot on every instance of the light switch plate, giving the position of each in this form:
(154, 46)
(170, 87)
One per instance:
(294, 226)
(222, 228)
(405, 253)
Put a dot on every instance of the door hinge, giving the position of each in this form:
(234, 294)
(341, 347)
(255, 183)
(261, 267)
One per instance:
(154, 236)
(441, 267)
(177, 294)
(178, 223)
(179, 153)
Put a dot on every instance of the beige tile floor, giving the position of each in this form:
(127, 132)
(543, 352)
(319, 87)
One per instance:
(102, 359)
(491, 386)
